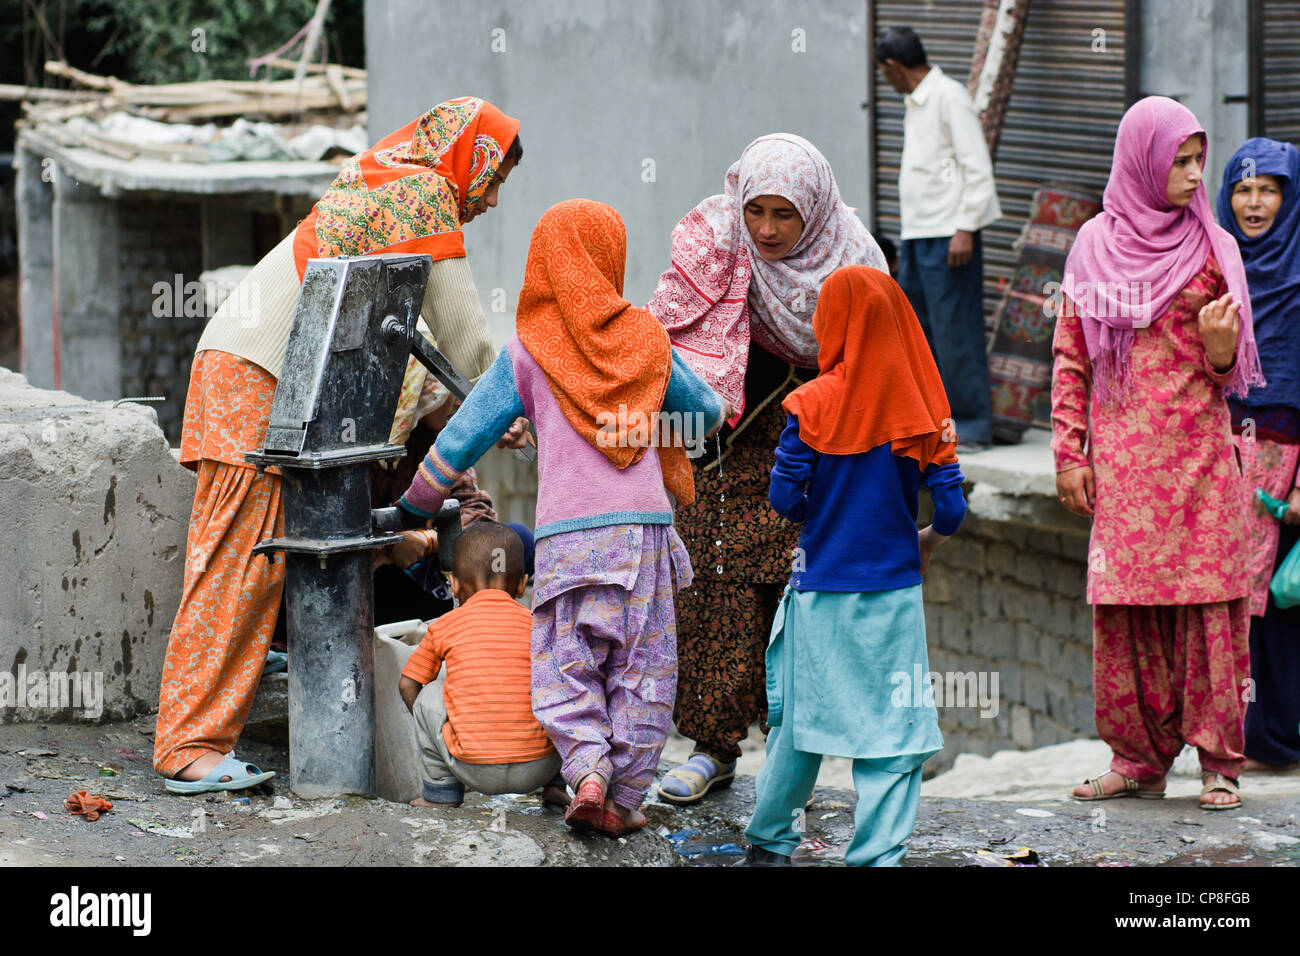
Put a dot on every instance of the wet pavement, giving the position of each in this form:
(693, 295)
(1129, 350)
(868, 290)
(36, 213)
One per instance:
(42, 765)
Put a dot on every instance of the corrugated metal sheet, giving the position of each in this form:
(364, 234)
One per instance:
(1281, 69)
(1066, 103)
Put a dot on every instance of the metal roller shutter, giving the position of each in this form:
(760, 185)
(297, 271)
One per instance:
(1280, 116)
(1066, 104)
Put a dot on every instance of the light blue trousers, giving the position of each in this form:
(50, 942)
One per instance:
(886, 813)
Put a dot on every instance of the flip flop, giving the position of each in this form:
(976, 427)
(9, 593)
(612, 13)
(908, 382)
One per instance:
(276, 662)
(692, 781)
(242, 776)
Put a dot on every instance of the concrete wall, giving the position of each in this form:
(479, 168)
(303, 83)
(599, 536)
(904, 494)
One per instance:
(601, 87)
(88, 296)
(1197, 51)
(95, 511)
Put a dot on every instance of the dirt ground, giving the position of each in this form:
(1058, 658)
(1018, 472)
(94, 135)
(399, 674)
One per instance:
(41, 765)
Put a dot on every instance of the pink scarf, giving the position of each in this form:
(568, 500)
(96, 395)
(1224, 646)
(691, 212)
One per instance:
(1129, 262)
(719, 291)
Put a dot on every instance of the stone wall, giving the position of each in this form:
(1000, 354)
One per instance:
(1008, 599)
(95, 510)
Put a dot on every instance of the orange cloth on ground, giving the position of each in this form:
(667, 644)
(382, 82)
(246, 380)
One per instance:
(486, 644)
(229, 598)
(877, 379)
(411, 191)
(91, 805)
(597, 351)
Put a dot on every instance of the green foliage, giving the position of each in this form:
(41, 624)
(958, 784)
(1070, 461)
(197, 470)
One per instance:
(171, 41)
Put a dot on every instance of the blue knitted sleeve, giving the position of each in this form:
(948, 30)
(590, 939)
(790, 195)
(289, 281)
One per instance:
(795, 463)
(944, 482)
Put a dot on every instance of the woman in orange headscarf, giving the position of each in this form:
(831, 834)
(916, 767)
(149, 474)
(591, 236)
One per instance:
(847, 658)
(594, 375)
(411, 192)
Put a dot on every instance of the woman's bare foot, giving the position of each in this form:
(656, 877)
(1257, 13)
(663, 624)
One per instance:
(1113, 782)
(198, 768)
(421, 802)
(1257, 766)
(1218, 797)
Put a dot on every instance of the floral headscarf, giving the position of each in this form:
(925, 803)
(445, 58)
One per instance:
(411, 191)
(720, 290)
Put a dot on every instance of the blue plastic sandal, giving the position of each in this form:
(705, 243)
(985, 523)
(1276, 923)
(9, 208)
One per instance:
(276, 662)
(241, 773)
(692, 781)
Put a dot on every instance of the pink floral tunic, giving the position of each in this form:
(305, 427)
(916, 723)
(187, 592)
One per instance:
(1269, 465)
(1170, 522)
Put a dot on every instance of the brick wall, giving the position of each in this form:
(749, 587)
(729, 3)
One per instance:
(158, 240)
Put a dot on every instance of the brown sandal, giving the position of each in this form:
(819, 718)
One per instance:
(1219, 784)
(1131, 789)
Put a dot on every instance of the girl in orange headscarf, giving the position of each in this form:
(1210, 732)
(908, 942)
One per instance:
(599, 380)
(846, 664)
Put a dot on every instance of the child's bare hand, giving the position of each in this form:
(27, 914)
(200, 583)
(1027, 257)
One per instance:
(727, 412)
(1220, 326)
(416, 545)
(1077, 490)
(1292, 515)
(928, 539)
(517, 435)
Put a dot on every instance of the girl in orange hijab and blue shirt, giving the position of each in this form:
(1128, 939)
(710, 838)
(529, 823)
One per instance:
(860, 441)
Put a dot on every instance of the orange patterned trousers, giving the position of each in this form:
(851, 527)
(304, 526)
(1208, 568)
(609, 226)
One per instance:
(223, 627)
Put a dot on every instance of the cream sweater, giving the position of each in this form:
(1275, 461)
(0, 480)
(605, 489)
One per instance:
(255, 319)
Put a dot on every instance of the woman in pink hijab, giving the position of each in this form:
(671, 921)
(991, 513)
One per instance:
(1155, 332)
(737, 301)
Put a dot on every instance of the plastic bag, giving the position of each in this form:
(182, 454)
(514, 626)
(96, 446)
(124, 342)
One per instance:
(1286, 582)
(1277, 509)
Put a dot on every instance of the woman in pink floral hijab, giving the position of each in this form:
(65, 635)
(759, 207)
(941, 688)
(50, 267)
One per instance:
(737, 301)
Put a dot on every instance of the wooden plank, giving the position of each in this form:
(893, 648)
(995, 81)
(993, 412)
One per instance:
(92, 80)
(10, 91)
(351, 72)
(278, 105)
(334, 77)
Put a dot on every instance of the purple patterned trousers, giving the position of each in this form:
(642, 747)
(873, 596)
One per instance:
(604, 674)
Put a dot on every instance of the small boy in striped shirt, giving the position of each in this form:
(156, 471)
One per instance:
(474, 722)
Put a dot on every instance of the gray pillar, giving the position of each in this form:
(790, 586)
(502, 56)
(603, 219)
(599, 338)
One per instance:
(87, 279)
(35, 195)
(1170, 28)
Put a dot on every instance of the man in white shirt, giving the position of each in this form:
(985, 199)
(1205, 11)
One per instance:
(946, 195)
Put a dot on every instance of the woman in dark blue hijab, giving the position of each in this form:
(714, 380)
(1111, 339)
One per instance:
(1259, 203)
